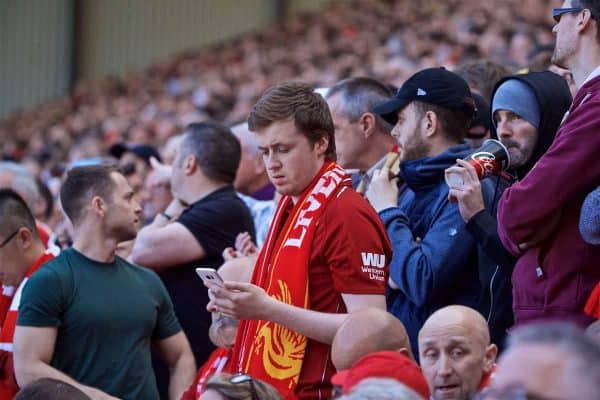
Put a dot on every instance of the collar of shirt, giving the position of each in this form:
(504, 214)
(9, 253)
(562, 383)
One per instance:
(378, 165)
(591, 76)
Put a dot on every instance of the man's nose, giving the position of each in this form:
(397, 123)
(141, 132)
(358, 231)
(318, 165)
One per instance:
(272, 162)
(137, 208)
(504, 130)
(445, 366)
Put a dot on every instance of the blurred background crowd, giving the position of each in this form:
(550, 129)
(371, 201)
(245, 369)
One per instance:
(385, 39)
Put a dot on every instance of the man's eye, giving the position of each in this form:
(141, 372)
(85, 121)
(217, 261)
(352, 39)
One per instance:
(457, 353)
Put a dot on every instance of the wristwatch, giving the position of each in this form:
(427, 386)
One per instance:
(167, 216)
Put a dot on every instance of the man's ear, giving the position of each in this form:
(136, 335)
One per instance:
(430, 123)
(367, 124)
(322, 144)
(24, 238)
(585, 20)
(491, 352)
(98, 206)
(190, 163)
(407, 352)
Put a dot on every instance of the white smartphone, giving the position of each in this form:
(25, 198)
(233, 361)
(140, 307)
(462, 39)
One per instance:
(210, 275)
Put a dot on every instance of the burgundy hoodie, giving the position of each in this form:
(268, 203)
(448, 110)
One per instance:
(554, 279)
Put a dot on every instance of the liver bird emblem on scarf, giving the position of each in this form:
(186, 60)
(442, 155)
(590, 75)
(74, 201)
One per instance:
(283, 348)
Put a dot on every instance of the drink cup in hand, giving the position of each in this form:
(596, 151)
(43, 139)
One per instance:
(490, 159)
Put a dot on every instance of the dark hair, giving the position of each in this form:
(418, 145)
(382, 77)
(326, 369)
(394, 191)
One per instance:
(455, 123)
(594, 7)
(215, 147)
(308, 109)
(360, 95)
(50, 389)
(482, 75)
(14, 213)
(82, 184)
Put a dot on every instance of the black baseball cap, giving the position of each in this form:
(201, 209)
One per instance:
(434, 86)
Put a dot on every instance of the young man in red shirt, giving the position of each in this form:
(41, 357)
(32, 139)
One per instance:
(326, 254)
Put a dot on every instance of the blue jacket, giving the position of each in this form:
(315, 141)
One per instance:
(436, 261)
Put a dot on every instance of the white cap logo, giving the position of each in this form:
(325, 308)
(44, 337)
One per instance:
(421, 92)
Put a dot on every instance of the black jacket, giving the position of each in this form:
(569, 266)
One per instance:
(554, 99)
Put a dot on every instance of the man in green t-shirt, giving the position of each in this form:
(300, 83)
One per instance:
(89, 317)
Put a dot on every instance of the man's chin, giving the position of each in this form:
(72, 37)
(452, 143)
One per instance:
(450, 393)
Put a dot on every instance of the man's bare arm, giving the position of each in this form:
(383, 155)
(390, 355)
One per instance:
(161, 245)
(246, 301)
(177, 354)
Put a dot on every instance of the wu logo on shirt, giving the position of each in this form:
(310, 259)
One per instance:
(373, 260)
(373, 265)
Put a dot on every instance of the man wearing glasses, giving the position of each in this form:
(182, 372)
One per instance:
(22, 252)
(538, 217)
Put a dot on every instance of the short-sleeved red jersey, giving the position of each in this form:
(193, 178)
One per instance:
(350, 254)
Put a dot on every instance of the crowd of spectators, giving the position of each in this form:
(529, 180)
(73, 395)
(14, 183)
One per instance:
(388, 40)
(465, 288)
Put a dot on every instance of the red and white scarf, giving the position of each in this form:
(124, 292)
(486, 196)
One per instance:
(264, 349)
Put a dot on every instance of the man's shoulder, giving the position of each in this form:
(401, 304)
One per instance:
(349, 211)
(57, 266)
(144, 273)
(222, 199)
(348, 202)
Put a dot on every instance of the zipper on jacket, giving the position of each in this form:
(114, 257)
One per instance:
(492, 294)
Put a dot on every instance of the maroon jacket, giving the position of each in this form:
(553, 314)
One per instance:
(554, 279)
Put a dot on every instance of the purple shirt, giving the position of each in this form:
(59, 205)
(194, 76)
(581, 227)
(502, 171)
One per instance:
(554, 279)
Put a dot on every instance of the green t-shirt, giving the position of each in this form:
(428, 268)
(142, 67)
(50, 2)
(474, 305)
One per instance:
(106, 315)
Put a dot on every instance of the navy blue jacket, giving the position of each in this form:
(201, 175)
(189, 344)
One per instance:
(436, 261)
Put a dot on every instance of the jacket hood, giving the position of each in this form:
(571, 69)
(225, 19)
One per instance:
(554, 98)
(427, 172)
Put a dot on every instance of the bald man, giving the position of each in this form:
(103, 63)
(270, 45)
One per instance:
(365, 332)
(251, 178)
(455, 352)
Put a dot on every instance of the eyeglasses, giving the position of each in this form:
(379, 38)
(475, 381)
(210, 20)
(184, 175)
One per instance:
(557, 13)
(9, 238)
(243, 378)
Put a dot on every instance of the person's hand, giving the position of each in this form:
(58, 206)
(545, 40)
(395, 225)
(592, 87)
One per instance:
(161, 173)
(468, 194)
(244, 245)
(239, 300)
(230, 253)
(382, 192)
(543, 233)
